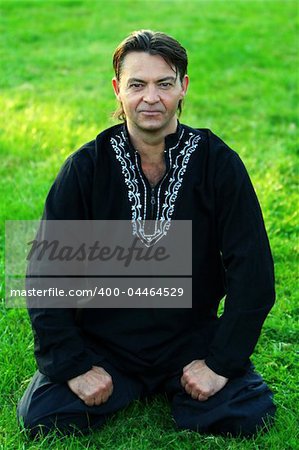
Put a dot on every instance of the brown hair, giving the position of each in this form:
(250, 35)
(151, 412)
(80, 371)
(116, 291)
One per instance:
(154, 43)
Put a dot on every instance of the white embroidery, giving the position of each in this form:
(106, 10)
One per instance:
(175, 182)
(128, 171)
(149, 239)
(144, 186)
(162, 222)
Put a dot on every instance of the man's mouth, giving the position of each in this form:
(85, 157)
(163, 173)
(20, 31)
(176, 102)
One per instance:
(150, 113)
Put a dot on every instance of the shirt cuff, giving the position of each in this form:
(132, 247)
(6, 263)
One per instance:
(63, 373)
(225, 371)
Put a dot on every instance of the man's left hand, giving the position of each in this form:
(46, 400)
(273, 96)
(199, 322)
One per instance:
(200, 381)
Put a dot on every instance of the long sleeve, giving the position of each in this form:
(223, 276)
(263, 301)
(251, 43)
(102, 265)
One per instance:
(248, 266)
(59, 349)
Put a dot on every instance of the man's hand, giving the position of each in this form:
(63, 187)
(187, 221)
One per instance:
(93, 387)
(200, 381)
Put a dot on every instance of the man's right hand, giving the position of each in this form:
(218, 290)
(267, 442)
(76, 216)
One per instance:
(93, 387)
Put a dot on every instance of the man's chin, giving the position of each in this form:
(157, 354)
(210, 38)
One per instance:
(151, 125)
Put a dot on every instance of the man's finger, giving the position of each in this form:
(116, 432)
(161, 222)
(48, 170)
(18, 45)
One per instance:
(98, 401)
(183, 381)
(194, 394)
(202, 398)
(104, 395)
(100, 398)
(188, 389)
(89, 401)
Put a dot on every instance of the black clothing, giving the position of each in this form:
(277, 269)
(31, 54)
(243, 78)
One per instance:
(205, 182)
(242, 407)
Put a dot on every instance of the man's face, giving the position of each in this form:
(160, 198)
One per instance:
(149, 91)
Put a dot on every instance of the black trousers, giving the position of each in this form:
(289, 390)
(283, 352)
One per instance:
(242, 407)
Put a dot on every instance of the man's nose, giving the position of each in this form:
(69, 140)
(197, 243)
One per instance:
(151, 94)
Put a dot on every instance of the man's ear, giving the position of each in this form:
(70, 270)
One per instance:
(115, 84)
(185, 84)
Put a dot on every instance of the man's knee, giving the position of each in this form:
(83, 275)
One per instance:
(80, 423)
(47, 406)
(28, 422)
(250, 425)
(39, 413)
(245, 425)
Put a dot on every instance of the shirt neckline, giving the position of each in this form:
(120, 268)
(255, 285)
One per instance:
(171, 140)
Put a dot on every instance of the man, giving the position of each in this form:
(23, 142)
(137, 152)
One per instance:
(153, 167)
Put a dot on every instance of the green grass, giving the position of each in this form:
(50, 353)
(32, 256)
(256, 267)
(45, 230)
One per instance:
(56, 94)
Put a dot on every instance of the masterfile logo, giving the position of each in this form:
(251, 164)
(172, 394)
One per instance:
(72, 263)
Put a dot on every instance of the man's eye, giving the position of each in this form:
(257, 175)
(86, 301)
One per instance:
(135, 85)
(165, 85)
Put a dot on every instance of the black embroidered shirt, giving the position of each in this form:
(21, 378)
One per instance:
(206, 182)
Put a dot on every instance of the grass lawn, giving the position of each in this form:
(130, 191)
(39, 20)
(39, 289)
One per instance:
(56, 95)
